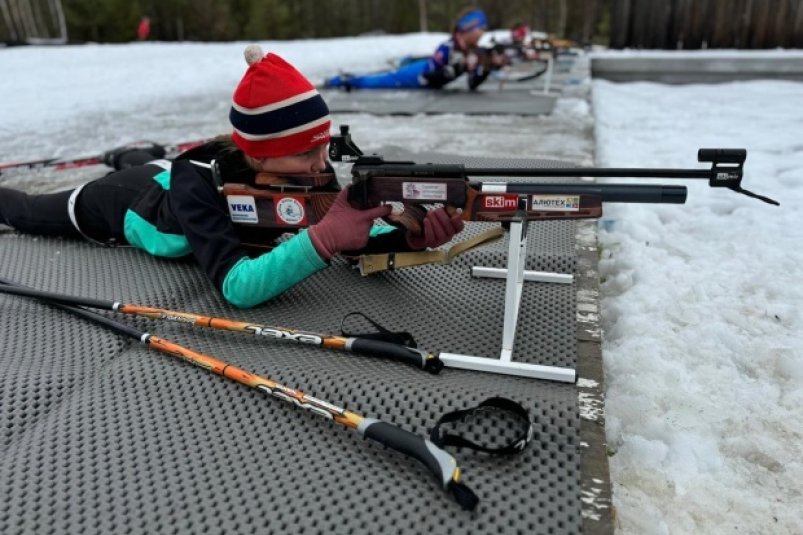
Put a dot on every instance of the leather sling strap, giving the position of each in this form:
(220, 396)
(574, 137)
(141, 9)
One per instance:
(375, 263)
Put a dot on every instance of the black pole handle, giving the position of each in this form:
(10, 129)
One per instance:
(69, 304)
(379, 348)
(440, 464)
(63, 299)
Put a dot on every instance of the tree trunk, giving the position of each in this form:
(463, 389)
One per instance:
(422, 15)
(9, 21)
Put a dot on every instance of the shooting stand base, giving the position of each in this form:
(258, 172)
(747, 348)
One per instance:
(515, 275)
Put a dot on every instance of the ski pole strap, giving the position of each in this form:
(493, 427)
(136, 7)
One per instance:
(401, 337)
(491, 404)
(395, 345)
(375, 263)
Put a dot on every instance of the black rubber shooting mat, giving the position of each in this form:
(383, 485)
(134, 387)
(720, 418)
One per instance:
(102, 435)
(486, 101)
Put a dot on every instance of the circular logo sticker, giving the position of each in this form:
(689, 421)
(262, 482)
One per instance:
(290, 211)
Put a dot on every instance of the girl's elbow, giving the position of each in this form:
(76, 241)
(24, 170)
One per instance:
(244, 300)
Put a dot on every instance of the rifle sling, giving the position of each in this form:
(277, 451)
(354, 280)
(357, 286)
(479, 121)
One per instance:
(375, 263)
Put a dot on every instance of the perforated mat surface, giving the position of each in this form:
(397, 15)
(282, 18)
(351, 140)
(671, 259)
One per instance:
(101, 435)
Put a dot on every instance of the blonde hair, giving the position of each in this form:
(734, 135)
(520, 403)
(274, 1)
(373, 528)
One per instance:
(227, 146)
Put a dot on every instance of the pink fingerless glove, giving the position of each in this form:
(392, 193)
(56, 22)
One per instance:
(439, 228)
(344, 228)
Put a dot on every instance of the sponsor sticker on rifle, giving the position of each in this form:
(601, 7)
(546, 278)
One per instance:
(556, 203)
(500, 202)
(242, 208)
(290, 210)
(424, 191)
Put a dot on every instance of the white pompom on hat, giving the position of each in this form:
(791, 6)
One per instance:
(253, 53)
(275, 110)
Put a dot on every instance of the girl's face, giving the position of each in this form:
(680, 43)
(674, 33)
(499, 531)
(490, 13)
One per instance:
(308, 162)
(471, 38)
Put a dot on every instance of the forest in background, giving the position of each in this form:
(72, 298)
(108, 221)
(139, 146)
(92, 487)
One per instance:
(661, 24)
(227, 20)
(115, 21)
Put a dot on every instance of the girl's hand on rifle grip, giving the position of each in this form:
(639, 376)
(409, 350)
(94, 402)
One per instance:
(344, 228)
(439, 228)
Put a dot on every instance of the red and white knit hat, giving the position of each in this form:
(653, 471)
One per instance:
(275, 110)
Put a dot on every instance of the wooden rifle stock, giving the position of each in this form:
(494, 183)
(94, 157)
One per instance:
(276, 207)
(505, 207)
(262, 214)
(482, 202)
(288, 207)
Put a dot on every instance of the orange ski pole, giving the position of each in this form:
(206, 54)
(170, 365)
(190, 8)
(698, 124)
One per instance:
(439, 462)
(362, 346)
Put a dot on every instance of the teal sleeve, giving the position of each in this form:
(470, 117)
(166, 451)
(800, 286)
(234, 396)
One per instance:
(255, 280)
(377, 230)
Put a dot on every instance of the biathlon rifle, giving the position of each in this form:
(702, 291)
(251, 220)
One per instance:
(376, 181)
(293, 203)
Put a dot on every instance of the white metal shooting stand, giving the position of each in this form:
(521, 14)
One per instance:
(548, 80)
(516, 275)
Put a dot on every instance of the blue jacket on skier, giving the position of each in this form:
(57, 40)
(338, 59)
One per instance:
(453, 58)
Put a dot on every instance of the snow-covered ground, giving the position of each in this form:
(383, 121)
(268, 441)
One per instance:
(701, 302)
(701, 306)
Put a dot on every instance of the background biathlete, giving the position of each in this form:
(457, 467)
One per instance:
(452, 58)
(173, 209)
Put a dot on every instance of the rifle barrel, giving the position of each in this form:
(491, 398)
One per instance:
(600, 172)
(433, 170)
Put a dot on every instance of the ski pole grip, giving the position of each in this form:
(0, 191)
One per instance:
(440, 464)
(409, 355)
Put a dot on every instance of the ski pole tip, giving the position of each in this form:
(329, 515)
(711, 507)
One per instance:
(433, 364)
(464, 496)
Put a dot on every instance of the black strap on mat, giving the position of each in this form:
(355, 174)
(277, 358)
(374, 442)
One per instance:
(491, 404)
(402, 337)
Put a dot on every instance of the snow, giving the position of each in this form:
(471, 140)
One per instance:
(701, 309)
(701, 303)
(54, 92)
